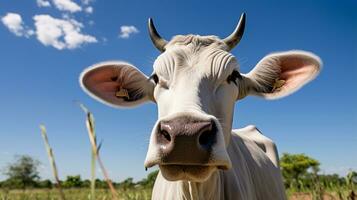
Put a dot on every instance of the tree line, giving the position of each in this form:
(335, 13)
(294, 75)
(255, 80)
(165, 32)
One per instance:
(300, 173)
(23, 173)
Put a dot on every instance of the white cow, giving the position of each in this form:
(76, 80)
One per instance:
(195, 84)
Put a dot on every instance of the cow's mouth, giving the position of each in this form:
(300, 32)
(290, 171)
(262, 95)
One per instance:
(197, 173)
(186, 172)
(218, 164)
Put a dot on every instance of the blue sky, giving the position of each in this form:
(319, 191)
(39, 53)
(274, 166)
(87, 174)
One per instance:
(39, 76)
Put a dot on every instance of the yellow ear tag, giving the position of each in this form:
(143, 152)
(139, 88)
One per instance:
(122, 93)
(278, 84)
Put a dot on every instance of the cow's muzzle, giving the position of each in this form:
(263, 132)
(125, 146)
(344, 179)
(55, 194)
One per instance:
(190, 144)
(186, 140)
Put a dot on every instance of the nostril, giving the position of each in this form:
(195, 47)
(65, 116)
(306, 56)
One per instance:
(207, 139)
(166, 135)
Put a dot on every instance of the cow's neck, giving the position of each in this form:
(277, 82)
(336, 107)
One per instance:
(210, 189)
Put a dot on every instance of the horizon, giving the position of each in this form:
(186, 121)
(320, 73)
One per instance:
(39, 83)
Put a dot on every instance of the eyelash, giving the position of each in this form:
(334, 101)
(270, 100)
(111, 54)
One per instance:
(233, 77)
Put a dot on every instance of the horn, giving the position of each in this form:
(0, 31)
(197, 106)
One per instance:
(233, 39)
(158, 41)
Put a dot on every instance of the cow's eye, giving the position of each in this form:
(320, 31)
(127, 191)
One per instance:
(155, 78)
(233, 77)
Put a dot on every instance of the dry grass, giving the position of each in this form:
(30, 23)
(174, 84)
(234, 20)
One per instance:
(51, 158)
(95, 153)
(90, 124)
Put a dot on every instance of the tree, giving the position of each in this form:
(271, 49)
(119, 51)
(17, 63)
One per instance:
(86, 183)
(294, 166)
(73, 181)
(101, 183)
(23, 172)
(44, 184)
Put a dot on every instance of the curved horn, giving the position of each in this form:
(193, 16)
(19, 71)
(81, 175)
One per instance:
(158, 41)
(233, 39)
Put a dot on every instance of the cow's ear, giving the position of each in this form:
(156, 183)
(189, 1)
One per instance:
(280, 74)
(117, 84)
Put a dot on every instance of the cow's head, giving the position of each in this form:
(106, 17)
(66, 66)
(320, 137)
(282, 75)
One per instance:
(195, 84)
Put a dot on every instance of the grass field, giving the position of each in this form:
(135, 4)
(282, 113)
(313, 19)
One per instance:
(133, 194)
(73, 194)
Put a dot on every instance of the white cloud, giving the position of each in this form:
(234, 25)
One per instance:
(126, 31)
(43, 3)
(89, 10)
(14, 23)
(60, 33)
(87, 2)
(67, 5)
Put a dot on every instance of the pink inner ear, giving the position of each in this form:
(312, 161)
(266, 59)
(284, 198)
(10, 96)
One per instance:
(103, 81)
(296, 69)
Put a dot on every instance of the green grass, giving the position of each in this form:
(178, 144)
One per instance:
(74, 194)
(132, 194)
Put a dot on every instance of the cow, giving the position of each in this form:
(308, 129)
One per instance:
(195, 84)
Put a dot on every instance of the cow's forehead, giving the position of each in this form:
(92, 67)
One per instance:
(203, 54)
(197, 41)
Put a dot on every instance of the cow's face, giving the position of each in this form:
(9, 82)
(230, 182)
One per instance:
(195, 84)
(195, 94)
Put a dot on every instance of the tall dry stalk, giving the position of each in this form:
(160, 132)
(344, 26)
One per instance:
(51, 158)
(95, 153)
(93, 140)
